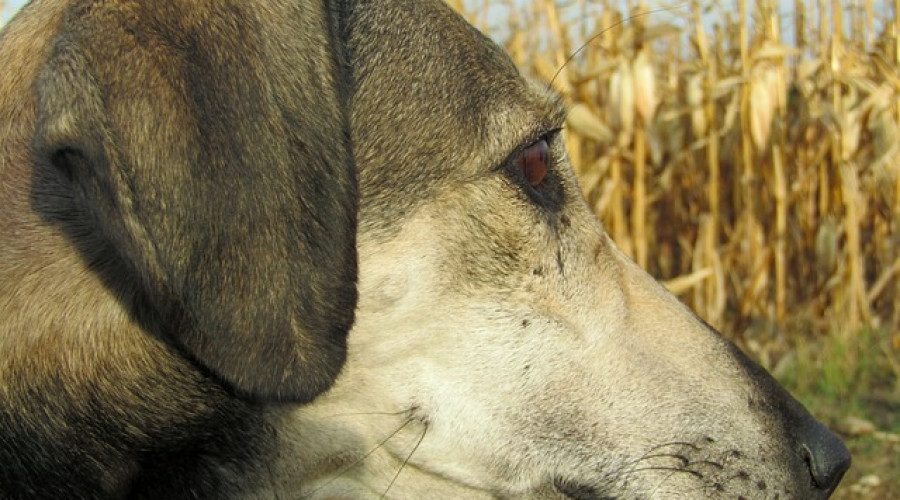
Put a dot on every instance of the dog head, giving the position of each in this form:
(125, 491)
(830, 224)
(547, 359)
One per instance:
(180, 237)
(503, 346)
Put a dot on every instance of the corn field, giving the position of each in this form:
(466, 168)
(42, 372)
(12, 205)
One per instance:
(755, 173)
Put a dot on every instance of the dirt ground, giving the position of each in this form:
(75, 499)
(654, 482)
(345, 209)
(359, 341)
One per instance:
(874, 443)
(875, 473)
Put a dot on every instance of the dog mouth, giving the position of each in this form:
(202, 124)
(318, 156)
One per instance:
(579, 491)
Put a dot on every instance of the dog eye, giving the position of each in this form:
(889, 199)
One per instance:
(532, 169)
(533, 162)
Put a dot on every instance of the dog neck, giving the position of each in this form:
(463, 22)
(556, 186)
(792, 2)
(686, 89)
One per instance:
(330, 450)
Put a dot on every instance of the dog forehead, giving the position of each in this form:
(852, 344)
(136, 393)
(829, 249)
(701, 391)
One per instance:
(435, 103)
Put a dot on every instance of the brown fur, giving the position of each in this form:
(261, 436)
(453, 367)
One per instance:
(178, 229)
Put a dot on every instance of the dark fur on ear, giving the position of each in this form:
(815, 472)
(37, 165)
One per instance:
(211, 151)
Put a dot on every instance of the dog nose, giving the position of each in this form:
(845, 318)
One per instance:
(826, 456)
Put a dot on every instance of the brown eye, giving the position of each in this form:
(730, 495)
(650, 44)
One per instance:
(532, 162)
(529, 172)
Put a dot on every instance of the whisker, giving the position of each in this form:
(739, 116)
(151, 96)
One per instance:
(671, 472)
(370, 413)
(604, 30)
(673, 443)
(681, 458)
(406, 460)
(361, 459)
(628, 469)
(670, 469)
(711, 463)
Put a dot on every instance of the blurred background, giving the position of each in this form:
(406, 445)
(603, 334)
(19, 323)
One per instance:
(747, 155)
(8, 8)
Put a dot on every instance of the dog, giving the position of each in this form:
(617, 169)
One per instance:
(335, 249)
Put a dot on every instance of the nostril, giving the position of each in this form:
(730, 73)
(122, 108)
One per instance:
(825, 455)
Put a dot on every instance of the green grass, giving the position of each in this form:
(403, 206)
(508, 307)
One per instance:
(847, 374)
(854, 375)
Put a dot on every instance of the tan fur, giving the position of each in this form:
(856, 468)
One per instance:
(181, 184)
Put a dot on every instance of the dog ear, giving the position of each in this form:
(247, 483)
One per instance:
(221, 177)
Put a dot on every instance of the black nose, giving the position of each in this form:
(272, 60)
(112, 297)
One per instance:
(826, 456)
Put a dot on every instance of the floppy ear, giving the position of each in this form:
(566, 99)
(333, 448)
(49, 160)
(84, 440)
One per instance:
(216, 165)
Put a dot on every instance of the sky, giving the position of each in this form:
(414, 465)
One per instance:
(11, 7)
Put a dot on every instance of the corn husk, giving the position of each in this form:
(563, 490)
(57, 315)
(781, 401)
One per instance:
(645, 99)
(774, 51)
(581, 120)
(763, 104)
(621, 100)
(885, 133)
(694, 96)
(850, 122)
(687, 282)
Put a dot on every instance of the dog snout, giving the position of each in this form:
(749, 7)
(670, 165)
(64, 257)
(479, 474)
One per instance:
(826, 456)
